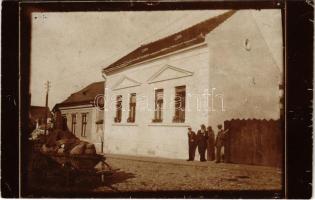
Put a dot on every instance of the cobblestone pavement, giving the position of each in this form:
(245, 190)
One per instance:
(158, 174)
(148, 174)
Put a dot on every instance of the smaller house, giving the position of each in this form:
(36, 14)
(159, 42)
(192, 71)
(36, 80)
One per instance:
(37, 115)
(82, 116)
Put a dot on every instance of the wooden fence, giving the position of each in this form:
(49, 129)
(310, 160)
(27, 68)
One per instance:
(256, 142)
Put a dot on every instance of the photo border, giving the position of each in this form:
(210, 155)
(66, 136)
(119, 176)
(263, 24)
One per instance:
(298, 76)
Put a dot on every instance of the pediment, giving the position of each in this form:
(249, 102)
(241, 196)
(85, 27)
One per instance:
(168, 73)
(125, 82)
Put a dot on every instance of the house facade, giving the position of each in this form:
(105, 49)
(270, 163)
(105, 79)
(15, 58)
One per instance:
(83, 117)
(214, 71)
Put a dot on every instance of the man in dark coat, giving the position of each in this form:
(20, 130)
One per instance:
(192, 145)
(210, 144)
(202, 136)
(219, 142)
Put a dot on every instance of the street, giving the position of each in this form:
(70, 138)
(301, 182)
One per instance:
(148, 174)
(159, 174)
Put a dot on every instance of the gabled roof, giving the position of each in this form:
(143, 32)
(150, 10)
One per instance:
(85, 96)
(39, 112)
(180, 40)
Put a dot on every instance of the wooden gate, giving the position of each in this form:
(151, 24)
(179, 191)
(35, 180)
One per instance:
(256, 142)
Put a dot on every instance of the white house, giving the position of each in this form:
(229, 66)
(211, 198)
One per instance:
(83, 116)
(216, 70)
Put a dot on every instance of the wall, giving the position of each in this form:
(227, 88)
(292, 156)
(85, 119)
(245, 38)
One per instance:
(166, 139)
(92, 117)
(248, 78)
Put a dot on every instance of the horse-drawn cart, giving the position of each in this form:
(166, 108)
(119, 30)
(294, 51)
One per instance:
(66, 165)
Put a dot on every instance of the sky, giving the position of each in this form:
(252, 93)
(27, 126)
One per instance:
(70, 49)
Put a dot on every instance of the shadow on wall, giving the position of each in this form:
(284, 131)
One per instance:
(255, 142)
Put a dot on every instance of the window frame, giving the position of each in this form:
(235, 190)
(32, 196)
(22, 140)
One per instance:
(180, 106)
(158, 106)
(83, 124)
(73, 122)
(118, 116)
(132, 108)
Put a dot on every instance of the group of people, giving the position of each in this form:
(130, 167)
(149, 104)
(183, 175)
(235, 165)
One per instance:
(206, 141)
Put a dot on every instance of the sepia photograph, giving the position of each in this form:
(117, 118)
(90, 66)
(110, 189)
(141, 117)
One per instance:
(180, 100)
(209, 99)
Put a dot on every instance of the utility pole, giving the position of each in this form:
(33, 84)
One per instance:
(47, 85)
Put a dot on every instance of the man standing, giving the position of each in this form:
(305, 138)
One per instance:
(219, 143)
(202, 142)
(191, 144)
(210, 144)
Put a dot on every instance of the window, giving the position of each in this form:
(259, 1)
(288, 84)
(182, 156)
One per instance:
(74, 122)
(132, 108)
(180, 98)
(64, 122)
(84, 122)
(118, 109)
(158, 106)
